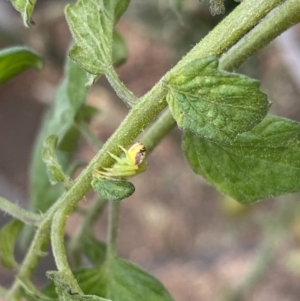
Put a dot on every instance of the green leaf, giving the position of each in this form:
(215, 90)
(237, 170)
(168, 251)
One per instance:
(65, 292)
(86, 113)
(120, 8)
(112, 190)
(25, 7)
(119, 280)
(119, 57)
(16, 60)
(97, 46)
(212, 103)
(91, 23)
(119, 50)
(59, 120)
(261, 163)
(55, 170)
(8, 236)
(94, 250)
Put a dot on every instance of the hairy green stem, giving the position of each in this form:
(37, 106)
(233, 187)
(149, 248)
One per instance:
(285, 16)
(126, 95)
(281, 19)
(58, 248)
(138, 118)
(34, 254)
(113, 227)
(248, 14)
(158, 130)
(150, 138)
(228, 32)
(16, 211)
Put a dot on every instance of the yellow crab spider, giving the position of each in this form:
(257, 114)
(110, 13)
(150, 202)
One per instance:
(127, 166)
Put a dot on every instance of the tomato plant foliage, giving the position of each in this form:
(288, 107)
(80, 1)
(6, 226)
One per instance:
(228, 138)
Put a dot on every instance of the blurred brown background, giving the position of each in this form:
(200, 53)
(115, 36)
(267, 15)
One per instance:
(200, 244)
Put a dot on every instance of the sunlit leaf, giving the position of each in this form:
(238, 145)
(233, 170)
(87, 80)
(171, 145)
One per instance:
(16, 60)
(261, 163)
(212, 103)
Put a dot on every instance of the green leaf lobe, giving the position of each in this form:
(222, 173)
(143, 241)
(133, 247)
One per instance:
(261, 163)
(212, 103)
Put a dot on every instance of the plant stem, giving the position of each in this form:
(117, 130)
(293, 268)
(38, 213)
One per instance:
(34, 254)
(138, 118)
(227, 33)
(257, 38)
(285, 16)
(16, 211)
(58, 247)
(126, 95)
(113, 227)
(158, 130)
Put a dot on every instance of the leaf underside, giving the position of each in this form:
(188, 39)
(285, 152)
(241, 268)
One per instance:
(91, 23)
(59, 120)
